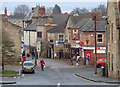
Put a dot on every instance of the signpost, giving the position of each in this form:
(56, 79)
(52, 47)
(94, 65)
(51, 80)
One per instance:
(38, 48)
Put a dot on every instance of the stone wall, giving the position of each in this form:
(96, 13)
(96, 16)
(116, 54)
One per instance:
(11, 43)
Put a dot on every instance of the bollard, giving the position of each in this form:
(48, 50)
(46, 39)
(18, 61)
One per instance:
(19, 72)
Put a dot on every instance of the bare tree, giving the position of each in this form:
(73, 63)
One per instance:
(79, 11)
(49, 10)
(101, 10)
(21, 10)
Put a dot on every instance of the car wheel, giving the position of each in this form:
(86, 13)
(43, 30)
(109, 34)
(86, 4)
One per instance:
(22, 71)
(99, 66)
(33, 71)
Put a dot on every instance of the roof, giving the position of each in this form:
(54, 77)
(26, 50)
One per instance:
(89, 27)
(58, 19)
(59, 29)
(34, 13)
(15, 17)
(81, 23)
(32, 27)
(76, 19)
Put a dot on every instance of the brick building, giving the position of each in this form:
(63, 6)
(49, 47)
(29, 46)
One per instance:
(83, 32)
(113, 32)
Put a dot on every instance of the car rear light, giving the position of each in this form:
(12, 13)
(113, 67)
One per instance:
(33, 67)
(23, 67)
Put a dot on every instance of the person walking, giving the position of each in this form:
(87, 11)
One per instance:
(42, 64)
(77, 60)
(33, 54)
(87, 60)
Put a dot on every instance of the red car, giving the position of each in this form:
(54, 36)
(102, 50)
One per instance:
(101, 62)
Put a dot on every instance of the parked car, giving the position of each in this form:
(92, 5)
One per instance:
(28, 66)
(101, 62)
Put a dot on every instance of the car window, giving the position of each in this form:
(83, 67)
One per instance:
(28, 64)
(102, 60)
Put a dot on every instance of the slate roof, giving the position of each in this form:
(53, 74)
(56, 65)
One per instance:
(58, 19)
(89, 27)
(15, 17)
(81, 23)
(59, 29)
(32, 27)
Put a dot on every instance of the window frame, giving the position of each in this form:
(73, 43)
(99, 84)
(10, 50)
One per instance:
(97, 37)
(62, 38)
(39, 35)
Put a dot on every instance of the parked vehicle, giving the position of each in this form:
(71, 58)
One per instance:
(101, 62)
(28, 66)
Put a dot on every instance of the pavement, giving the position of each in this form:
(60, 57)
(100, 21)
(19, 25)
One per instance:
(85, 72)
(88, 73)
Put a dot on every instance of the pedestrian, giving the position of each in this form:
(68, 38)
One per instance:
(23, 54)
(87, 60)
(33, 54)
(71, 61)
(28, 54)
(77, 60)
(42, 64)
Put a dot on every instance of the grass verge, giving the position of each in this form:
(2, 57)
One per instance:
(7, 73)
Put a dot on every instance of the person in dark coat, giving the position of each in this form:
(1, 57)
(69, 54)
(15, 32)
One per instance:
(33, 55)
(42, 64)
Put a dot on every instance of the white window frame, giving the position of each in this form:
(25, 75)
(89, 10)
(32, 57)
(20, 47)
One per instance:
(59, 38)
(97, 37)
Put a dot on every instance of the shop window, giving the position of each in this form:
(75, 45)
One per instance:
(100, 38)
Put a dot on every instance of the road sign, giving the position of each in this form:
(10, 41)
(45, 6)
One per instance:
(38, 47)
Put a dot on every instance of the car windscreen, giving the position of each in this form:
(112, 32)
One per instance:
(28, 64)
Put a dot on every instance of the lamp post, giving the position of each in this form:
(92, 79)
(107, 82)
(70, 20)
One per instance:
(94, 18)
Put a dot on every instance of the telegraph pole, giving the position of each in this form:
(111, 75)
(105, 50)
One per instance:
(94, 17)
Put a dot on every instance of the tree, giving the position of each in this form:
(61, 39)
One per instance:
(101, 10)
(56, 9)
(21, 10)
(49, 10)
(79, 11)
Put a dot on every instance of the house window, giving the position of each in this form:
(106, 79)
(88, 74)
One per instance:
(75, 35)
(99, 38)
(20, 21)
(39, 34)
(112, 62)
(14, 22)
(112, 32)
(61, 38)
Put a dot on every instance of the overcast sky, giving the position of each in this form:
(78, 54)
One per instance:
(66, 5)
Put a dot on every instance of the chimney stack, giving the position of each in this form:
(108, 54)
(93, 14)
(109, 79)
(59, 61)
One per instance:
(5, 11)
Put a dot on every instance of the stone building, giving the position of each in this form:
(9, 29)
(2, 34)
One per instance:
(113, 39)
(11, 43)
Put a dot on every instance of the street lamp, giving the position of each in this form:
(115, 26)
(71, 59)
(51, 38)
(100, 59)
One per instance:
(94, 17)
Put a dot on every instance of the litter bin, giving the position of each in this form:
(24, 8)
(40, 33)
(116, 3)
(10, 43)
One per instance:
(103, 71)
